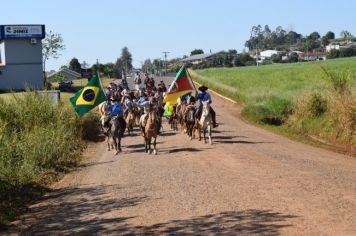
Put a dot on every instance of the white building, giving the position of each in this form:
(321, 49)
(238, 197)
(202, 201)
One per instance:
(267, 54)
(331, 47)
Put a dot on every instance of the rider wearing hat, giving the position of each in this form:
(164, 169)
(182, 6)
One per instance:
(205, 97)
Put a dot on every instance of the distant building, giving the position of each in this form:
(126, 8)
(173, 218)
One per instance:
(267, 54)
(312, 56)
(21, 57)
(331, 47)
(66, 73)
(197, 59)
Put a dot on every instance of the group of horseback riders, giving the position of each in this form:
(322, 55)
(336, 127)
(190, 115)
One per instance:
(123, 103)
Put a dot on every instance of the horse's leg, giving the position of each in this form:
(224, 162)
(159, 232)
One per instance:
(119, 146)
(199, 130)
(149, 145)
(154, 146)
(204, 132)
(209, 130)
(108, 142)
(146, 151)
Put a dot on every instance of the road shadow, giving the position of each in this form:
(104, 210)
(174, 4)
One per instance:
(86, 165)
(184, 149)
(237, 142)
(253, 221)
(78, 211)
(166, 134)
(259, 222)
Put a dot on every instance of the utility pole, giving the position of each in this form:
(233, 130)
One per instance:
(97, 67)
(165, 62)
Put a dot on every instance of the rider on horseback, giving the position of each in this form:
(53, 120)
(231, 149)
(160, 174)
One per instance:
(114, 110)
(205, 97)
(148, 106)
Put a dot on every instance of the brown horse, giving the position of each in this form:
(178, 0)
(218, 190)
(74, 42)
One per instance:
(189, 119)
(151, 131)
(180, 116)
(130, 121)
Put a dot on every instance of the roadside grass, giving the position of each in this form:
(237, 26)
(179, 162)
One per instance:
(38, 142)
(302, 99)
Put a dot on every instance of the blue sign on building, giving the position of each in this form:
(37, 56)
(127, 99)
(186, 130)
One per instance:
(22, 31)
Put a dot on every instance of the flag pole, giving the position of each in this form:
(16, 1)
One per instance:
(196, 91)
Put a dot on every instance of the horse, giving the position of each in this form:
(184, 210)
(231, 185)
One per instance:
(130, 120)
(115, 133)
(189, 119)
(180, 115)
(151, 131)
(205, 121)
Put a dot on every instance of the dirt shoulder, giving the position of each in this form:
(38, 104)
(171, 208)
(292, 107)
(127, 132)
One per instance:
(250, 181)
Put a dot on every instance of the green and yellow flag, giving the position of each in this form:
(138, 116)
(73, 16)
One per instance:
(88, 97)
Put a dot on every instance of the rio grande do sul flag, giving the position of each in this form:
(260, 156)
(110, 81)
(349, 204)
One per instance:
(88, 97)
(180, 86)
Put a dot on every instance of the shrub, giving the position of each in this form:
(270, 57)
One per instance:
(37, 138)
(274, 111)
(311, 105)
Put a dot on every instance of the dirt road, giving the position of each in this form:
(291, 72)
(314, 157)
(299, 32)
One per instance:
(249, 181)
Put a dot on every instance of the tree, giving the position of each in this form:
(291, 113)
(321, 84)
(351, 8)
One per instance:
(314, 36)
(148, 66)
(293, 57)
(126, 59)
(118, 67)
(345, 34)
(108, 69)
(276, 58)
(245, 58)
(52, 45)
(75, 65)
(333, 54)
(330, 35)
(325, 41)
(196, 52)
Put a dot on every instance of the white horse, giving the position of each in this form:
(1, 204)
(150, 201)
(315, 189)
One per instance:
(205, 121)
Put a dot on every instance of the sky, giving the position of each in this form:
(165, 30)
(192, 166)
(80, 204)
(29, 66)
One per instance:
(99, 29)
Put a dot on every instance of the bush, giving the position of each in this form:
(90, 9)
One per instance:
(274, 111)
(37, 138)
(311, 105)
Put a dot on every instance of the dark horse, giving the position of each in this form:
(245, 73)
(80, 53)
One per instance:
(115, 133)
(189, 119)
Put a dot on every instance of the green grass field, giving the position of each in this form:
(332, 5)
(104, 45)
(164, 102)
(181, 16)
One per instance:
(255, 84)
(299, 98)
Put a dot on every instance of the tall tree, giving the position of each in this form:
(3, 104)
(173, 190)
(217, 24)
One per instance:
(52, 45)
(345, 34)
(196, 52)
(314, 36)
(118, 68)
(330, 35)
(325, 41)
(75, 65)
(108, 69)
(148, 66)
(126, 59)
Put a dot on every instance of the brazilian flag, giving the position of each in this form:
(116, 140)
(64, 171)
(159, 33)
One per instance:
(88, 97)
